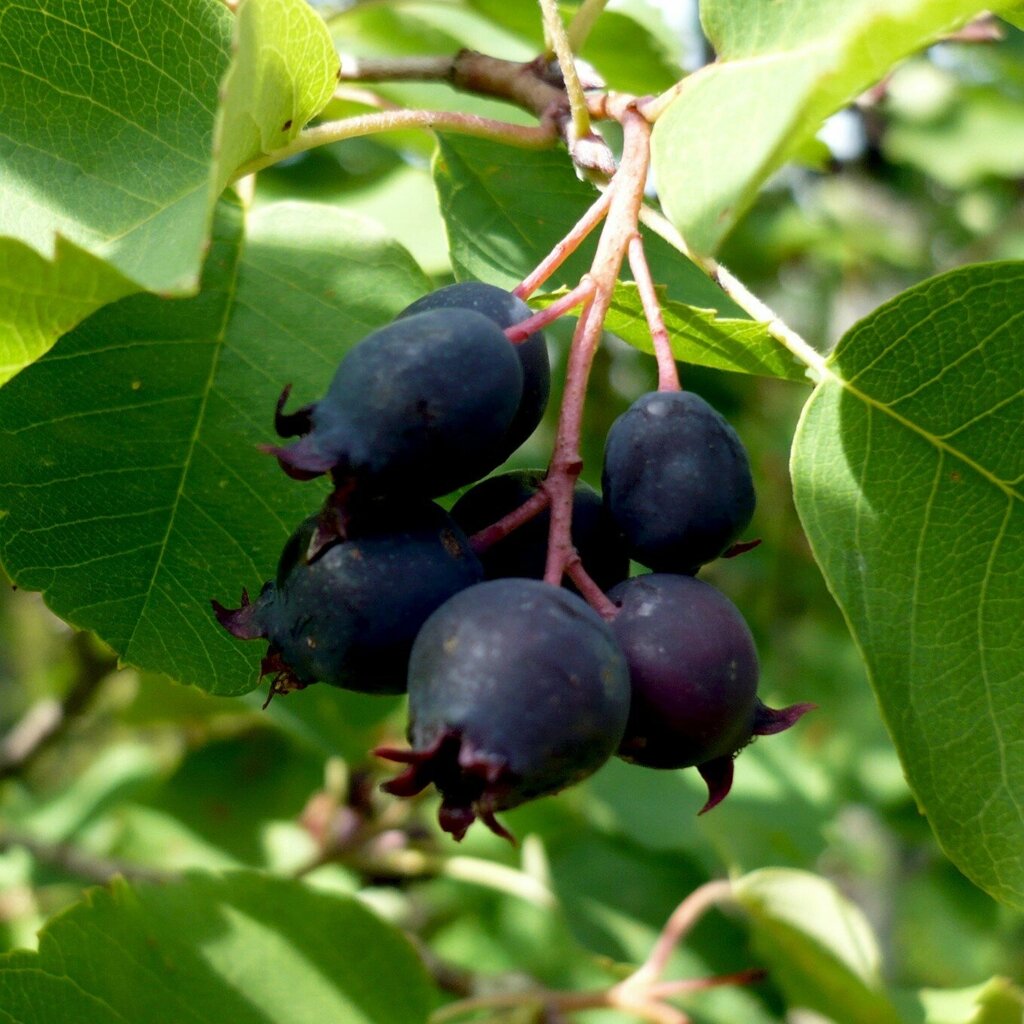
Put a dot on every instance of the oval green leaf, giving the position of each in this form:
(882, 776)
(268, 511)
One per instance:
(907, 473)
(782, 68)
(244, 948)
(131, 489)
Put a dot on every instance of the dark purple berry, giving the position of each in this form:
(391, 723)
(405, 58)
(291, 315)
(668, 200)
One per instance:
(694, 672)
(421, 406)
(517, 689)
(676, 481)
(348, 616)
(505, 309)
(524, 551)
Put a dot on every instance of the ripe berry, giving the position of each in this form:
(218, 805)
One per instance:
(524, 551)
(693, 671)
(517, 689)
(421, 406)
(349, 616)
(676, 481)
(505, 309)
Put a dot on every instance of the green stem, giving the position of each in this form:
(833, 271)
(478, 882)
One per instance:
(524, 136)
(555, 30)
(583, 21)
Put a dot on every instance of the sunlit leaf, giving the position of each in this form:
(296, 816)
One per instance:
(782, 68)
(131, 486)
(245, 948)
(907, 470)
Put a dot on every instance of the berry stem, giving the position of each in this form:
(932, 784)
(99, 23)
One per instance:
(682, 919)
(740, 294)
(620, 225)
(582, 293)
(565, 248)
(668, 373)
(490, 535)
(592, 593)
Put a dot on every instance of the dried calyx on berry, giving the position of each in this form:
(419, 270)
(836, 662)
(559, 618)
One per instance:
(693, 673)
(517, 689)
(420, 406)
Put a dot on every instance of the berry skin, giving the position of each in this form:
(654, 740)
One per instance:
(505, 309)
(349, 615)
(676, 481)
(420, 406)
(517, 689)
(524, 551)
(694, 671)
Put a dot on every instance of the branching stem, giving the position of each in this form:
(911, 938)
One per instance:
(619, 227)
(565, 248)
(582, 293)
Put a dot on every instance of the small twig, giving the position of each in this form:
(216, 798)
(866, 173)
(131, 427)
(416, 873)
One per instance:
(583, 21)
(565, 248)
(395, 69)
(80, 863)
(582, 293)
(48, 720)
(525, 85)
(524, 136)
(682, 919)
(740, 294)
(555, 30)
(668, 373)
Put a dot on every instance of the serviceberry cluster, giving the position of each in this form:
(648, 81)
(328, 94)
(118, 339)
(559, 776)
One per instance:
(517, 688)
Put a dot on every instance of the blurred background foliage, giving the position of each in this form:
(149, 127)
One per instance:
(143, 776)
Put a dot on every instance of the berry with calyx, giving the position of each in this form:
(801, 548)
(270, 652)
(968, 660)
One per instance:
(505, 309)
(349, 614)
(420, 406)
(524, 551)
(676, 481)
(517, 689)
(694, 672)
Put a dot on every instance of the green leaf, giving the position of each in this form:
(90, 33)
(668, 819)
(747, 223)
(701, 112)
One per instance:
(506, 208)
(41, 299)
(818, 946)
(244, 948)
(980, 136)
(119, 164)
(781, 70)
(131, 487)
(700, 336)
(284, 71)
(111, 189)
(996, 1001)
(907, 468)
